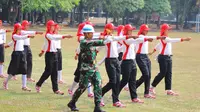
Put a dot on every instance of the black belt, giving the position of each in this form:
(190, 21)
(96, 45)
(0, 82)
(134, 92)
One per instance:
(112, 58)
(166, 55)
(51, 52)
(141, 54)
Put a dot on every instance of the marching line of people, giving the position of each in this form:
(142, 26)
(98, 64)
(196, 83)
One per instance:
(124, 53)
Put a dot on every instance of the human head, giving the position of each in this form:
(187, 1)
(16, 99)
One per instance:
(143, 29)
(120, 29)
(128, 29)
(165, 29)
(17, 28)
(109, 28)
(25, 25)
(88, 31)
(50, 26)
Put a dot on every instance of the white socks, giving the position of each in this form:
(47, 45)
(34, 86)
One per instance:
(90, 88)
(24, 78)
(74, 84)
(59, 75)
(152, 87)
(1, 69)
(126, 85)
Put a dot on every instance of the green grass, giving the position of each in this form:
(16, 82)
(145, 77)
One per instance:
(186, 81)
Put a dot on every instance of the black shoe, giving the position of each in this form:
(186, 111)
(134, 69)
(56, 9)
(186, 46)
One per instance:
(98, 109)
(72, 106)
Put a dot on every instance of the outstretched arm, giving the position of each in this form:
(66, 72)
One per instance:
(174, 40)
(157, 47)
(137, 41)
(21, 37)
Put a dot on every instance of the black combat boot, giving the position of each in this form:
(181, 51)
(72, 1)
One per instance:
(98, 109)
(72, 106)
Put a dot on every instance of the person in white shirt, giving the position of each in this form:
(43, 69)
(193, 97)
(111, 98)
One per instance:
(120, 31)
(2, 44)
(18, 60)
(27, 49)
(143, 60)
(165, 61)
(51, 60)
(60, 81)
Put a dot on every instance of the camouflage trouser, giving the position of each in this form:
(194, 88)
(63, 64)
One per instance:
(86, 77)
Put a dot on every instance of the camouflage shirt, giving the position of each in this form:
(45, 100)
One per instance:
(88, 53)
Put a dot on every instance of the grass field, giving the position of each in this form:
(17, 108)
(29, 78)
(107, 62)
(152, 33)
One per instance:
(186, 81)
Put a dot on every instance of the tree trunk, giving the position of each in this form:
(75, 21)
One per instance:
(15, 15)
(71, 19)
(99, 11)
(177, 13)
(18, 19)
(5, 13)
(127, 16)
(185, 26)
(114, 21)
(177, 18)
(29, 16)
(35, 16)
(53, 14)
(117, 21)
(45, 17)
(32, 17)
(81, 12)
(106, 17)
(24, 16)
(88, 13)
(158, 22)
(6, 10)
(123, 20)
(146, 18)
(127, 19)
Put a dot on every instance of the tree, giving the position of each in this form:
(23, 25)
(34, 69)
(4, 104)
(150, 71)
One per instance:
(117, 8)
(132, 6)
(90, 4)
(6, 8)
(158, 6)
(183, 9)
(46, 5)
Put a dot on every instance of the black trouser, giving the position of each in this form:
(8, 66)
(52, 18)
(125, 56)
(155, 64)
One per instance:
(77, 72)
(2, 53)
(113, 71)
(51, 68)
(28, 56)
(59, 59)
(120, 56)
(165, 64)
(144, 64)
(129, 72)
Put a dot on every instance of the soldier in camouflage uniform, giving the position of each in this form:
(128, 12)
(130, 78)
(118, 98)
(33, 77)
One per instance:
(89, 71)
